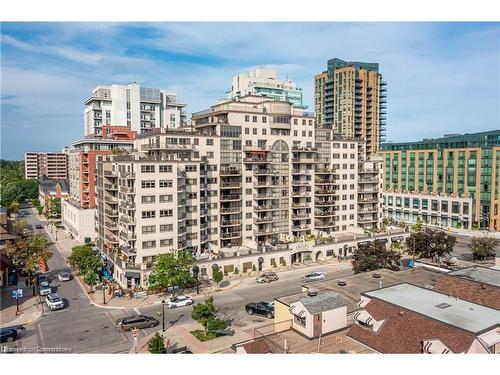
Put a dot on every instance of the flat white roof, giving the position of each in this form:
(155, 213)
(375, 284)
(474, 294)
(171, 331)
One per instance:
(458, 313)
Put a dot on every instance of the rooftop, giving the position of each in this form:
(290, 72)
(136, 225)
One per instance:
(324, 301)
(453, 311)
(480, 274)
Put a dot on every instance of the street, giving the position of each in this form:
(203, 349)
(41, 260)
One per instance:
(86, 328)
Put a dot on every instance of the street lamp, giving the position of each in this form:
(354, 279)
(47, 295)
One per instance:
(196, 272)
(163, 303)
(103, 292)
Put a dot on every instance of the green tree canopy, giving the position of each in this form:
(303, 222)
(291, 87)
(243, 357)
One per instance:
(172, 269)
(215, 324)
(483, 247)
(156, 345)
(13, 186)
(374, 256)
(203, 312)
(430, 243)
(217, 276)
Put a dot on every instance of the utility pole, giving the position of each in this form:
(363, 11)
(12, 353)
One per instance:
(413, 251)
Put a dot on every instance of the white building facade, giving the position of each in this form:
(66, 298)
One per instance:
(141, 109)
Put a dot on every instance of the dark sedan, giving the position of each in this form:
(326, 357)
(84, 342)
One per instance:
(261, 308)
(9, 334)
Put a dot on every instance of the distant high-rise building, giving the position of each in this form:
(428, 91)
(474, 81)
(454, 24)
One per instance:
(264, 82)
(50, 164)
(141, 109)
(349, 97)
(446, 182)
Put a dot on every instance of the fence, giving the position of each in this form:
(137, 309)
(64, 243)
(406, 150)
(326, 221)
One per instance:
(269, 334)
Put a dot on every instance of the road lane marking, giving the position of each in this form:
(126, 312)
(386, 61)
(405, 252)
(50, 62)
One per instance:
(137, 311)
(40, 335)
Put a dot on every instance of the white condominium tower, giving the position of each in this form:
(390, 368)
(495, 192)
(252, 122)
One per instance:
(251, 172)
(141, 109)
(264, 82)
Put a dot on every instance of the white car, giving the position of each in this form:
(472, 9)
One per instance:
(44, 288)
(313, 276)
(179, 301)
(54, 302)
(64, 276)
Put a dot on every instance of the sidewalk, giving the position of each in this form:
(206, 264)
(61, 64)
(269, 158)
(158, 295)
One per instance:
(181, 335)
(29, 307)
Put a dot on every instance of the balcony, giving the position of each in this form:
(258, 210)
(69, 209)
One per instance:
(324, 213)
(229, 185)
(300, 194)
(264, 219)
(230, 235)
(127, 175)
(263, 232)
(300, 183)
(126, 189)
(325, 203)
(262, 172)
(127, 205)
(229, 172)
(111, 212)
(265, 208)
(127, 220)
(229, 223)
(301, 171)
(256, 160)
(325, 171)
(300, 205)
(300, 216)
(263, 196)
(321, 224)
(303, 160)
(111, 186)
(325, 192)
(230, 197)
(264, 184)
(230, 210)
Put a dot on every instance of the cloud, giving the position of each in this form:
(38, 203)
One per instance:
(440, 76)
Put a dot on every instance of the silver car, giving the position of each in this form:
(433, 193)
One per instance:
(54, 302)
(44, 288)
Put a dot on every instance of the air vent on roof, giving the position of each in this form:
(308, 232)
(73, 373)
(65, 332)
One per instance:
(312, 292)
(443, 305)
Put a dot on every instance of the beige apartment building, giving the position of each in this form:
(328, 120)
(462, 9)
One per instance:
(251, 175)
(51, 164)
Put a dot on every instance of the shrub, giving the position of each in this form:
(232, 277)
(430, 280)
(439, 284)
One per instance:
(156, 344)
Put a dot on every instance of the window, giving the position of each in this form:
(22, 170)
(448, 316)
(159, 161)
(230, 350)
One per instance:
(148, 214)
(304, 122)
(166, 242)
(148, 229)
(264, 119)
(166, 213)
(247, 118)
(300, 321)
(247, 130)
(210, 142)
(166, 198)
(148, 199)
(165, 168)
(147, 169)
(191, 168)
(254, 131)
(148, 184)
(165, 183)
(295, 121)
(166, 227)
(264, 131)
(148, 244)
(254, 118)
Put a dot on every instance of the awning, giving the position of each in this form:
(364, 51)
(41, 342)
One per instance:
(363, 317)
(491, 338)
(135, 275)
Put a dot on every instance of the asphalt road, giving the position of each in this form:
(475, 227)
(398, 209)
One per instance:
(85, 328)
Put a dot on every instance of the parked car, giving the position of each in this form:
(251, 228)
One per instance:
(64, 276)
(54, 302)
(39, 226)
(313, 276)
(41, 278)
(179, 301)
(44, 288)
(9, 334)
(260, 308)
(341, 283)
(267, 277)
(136, 321)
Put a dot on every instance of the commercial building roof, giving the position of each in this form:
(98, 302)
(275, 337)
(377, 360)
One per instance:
(480, 274)
(326, 301)
(452, 311)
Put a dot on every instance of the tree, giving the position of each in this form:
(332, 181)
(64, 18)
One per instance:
(13, 186)
(203, 312)
(430, 243)
(53, 208)
(15, 206)
(215, 324)
(418, 225)
(91, 278)
(20, 227)
(78, 254)
(35, 202)
(156, 345)
(172, 269)
(374, 256)
(483, 247)
(217, 276)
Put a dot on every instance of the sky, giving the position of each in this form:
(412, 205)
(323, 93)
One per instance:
(441, 77)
